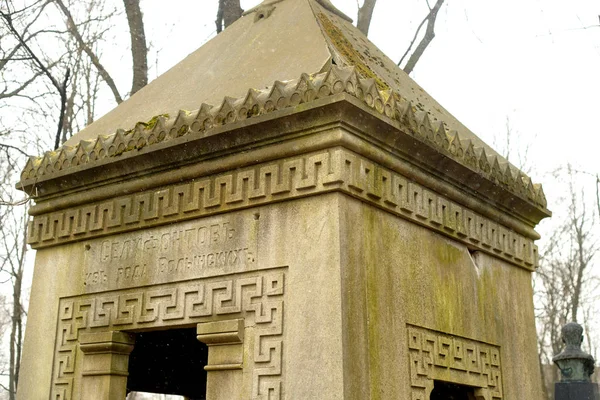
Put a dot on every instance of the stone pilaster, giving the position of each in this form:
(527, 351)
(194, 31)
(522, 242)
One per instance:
(105, 364)
(225, 358)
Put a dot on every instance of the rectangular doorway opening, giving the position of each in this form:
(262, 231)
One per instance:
(153, 396)
(169, 362)
(451, 391)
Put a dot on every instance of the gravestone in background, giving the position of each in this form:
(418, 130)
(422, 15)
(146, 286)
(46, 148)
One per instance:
(328, 231)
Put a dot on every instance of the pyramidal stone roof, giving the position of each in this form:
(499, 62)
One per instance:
(280, 54)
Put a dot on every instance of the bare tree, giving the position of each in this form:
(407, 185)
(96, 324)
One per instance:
(86, 23)
(60, 85)
(13, 231)
(85, 81)
(365, 15)
(565, 284)
(43, 86)
(13, 264)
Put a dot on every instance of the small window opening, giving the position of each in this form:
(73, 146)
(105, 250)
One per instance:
(451, 391)
(169, 362)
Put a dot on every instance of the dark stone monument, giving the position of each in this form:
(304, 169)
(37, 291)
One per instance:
(576, 367)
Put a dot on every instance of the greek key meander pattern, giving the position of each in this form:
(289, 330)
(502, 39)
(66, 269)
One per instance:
(259, 299)
(337, 169)
(434, 355)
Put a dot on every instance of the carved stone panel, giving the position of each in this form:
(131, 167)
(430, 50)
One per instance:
(218, 245)
(438, 356)
(256, 297)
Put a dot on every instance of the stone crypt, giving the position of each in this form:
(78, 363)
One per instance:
(327, 232)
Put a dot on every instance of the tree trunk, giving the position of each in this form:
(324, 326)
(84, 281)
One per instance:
(139, 50)
(16, 329)
(365, 14)
(63, 106)
(229, 12)
(15, 338)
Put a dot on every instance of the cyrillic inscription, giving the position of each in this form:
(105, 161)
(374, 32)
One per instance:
(193, 249)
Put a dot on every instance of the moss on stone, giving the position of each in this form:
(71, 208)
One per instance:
(347, 50)
(153, 121)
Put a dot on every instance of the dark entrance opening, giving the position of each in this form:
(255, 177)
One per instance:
(451, 391)
(168, 362)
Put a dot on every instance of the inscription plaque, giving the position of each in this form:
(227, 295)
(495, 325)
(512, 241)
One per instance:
(193, 249)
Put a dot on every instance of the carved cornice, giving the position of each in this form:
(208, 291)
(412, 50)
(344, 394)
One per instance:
(400, 112)
(294, 177)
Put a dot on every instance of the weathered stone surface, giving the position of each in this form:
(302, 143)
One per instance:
(300, 36)
(325, 171)
(280, 96)
(411, 295)
(261, 297)
(366, 73)
(247, 54)
(334, 236)
(214, 246)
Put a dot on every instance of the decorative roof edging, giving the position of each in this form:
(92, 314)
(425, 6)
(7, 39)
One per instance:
(307, 88)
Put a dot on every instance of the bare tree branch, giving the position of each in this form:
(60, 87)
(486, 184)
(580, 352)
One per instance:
(22, 87)
(8, 146)
(8, 20)
(596, 177)
(414, 39)
(86, 48)
(35, 3)
(10, 203)
(10, 56)
(63, 104)
(60, 88)
(429, 36)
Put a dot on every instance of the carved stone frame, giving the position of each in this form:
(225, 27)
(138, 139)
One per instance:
(438, 356)
(256, 298)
